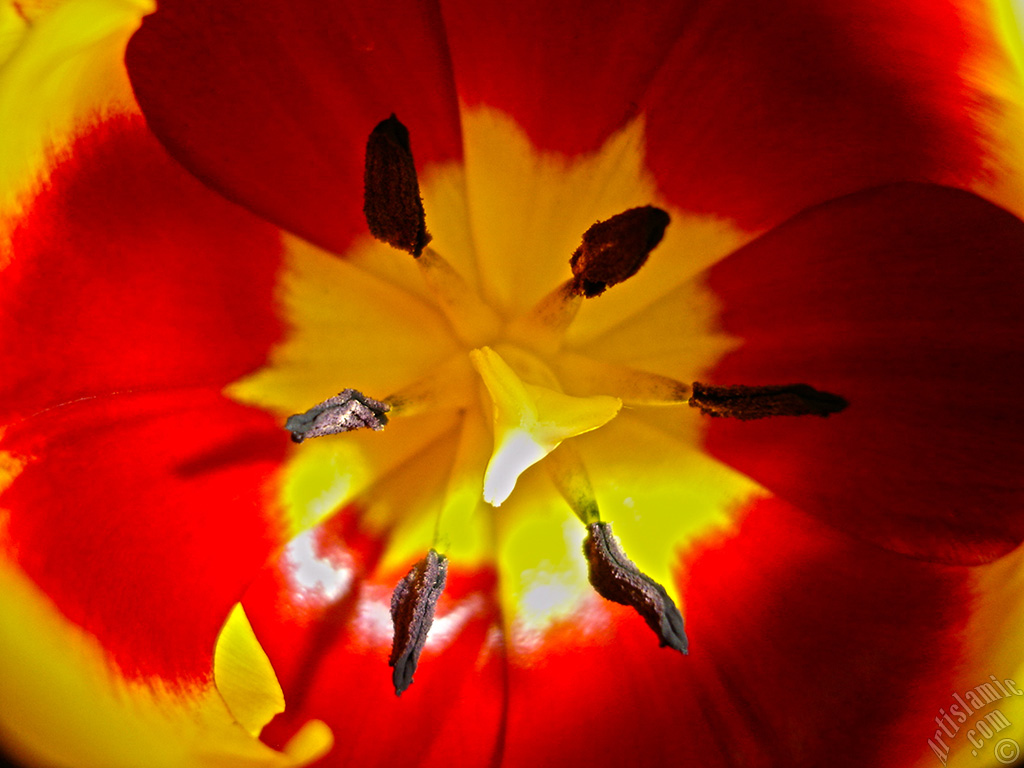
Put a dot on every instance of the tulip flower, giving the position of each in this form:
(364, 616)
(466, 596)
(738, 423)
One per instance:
(617, 383)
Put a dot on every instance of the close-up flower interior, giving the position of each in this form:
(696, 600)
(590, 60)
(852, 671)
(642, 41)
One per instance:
(444, 382)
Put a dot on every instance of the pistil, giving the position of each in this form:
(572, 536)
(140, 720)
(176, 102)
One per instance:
(530, 421)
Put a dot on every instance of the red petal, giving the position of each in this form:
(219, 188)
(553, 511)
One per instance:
(144, 517)
(797, 636)
(789, 623)
(330, 650)
(904, 300)
(271, 102)
(764, 109)
(127, 274)
(754, 111)
(570, 72)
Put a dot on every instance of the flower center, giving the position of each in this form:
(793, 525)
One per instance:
(512, 352)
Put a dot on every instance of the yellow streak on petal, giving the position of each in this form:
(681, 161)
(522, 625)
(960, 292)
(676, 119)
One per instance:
(997, 72)
(61, 66)
(350, 329)
(433, 500)
(531, 208)
(10, 467)
(530, 421)
(528, 211)
(660, 492)
(313, 741)
(244, 676)
(1009, 17)
(991, 649)
(463, 529)
(64, 704)
(542, 573)
(324, 474)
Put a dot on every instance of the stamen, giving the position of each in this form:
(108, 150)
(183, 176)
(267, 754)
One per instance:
(449, 385)
(632, 386)
(395, 215)
(412, 610)
(348, 410)
(474, 321)
(614, 250)
(544, 326)
(566, 468)
(743, 402)
(616, 578)
(391, 201)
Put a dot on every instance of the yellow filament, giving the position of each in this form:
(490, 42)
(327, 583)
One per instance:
(472, 320)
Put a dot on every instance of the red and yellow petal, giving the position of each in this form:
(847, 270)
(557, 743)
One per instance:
(793, 632)
(127, 275)
(754, 113)
(761, 111)
(992, 658)
(132, 295)
(136, 502)
(905, 301)
(790, 624)
(271, 102)
(270, 105)
(143, 518)
(322, 614)
(61, 69)
(63, 705)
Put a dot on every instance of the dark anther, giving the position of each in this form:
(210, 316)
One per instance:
(616, 578)
(742, 402)
(391, 201)
(614, 250)
(412, 611)
(344, 412)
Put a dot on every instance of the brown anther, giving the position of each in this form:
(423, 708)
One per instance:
(391, 199)
(412, 610)
(348, 410)
(615, 577)
(743, 402)
(614, 250)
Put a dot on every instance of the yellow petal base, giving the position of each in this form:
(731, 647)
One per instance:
(64, 704)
